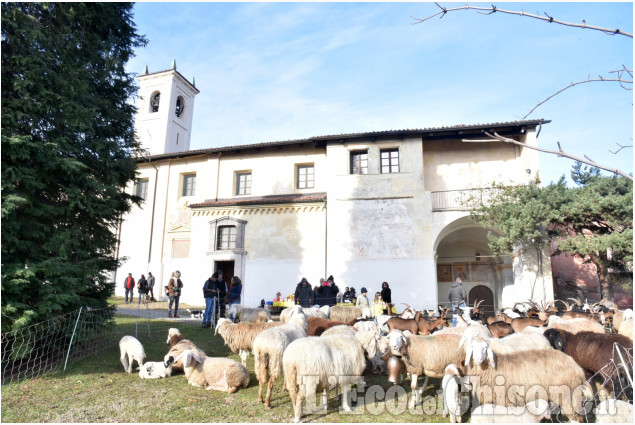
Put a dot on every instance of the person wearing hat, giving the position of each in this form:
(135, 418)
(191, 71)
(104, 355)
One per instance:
(304, 295)
(277, 298)
(328, 293)
(362, 300)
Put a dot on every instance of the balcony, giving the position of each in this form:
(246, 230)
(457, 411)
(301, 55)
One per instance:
(459, 200)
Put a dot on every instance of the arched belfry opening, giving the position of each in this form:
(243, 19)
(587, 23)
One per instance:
(462, 251)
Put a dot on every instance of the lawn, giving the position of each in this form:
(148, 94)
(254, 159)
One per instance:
(96, 389)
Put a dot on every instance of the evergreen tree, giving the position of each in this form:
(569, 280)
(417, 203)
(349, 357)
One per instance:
(67, 147)
(593, 221)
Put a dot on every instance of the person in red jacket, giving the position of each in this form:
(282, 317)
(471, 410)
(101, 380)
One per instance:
(128, 285)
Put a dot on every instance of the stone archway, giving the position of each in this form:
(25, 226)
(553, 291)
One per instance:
(482, 292)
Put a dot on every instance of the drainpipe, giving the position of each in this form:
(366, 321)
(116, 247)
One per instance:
(154, 201)
(326, 240)
(165, 214)
(218, 173)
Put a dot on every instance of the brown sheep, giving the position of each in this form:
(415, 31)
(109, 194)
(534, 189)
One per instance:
(178, 344)
(317, 325)
(593, 352)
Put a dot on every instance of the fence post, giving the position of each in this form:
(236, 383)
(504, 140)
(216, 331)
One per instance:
(68, 353)
(619, 353)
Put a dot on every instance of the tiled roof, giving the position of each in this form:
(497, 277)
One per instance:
(422, 131)
(260, 200)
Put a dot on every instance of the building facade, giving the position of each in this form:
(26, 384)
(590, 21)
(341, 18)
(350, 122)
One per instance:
(366, 208)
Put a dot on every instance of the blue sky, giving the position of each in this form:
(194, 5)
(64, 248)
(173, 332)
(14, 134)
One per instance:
(283, 71)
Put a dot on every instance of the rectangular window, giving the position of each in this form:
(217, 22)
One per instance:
(141, 189)
(189, 185)
(359, 162)
(389, 161)
(305, 176)
(180, 248)
(226, 237)
(243, 183)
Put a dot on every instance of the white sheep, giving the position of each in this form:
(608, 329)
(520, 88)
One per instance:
(239, 337)
(614, 411)
(131, 350)
(575, 325)
(309, 363)
(324, 312)
(451, 387)
(626, 328)
(510, 344)
(268, 349)
(156, 370)
(248, 314)
(532, 412)
(214, 373)
(380, 346)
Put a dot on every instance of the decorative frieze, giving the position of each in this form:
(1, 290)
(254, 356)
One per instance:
(262, 210)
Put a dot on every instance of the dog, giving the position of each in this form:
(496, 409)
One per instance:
(196, 314)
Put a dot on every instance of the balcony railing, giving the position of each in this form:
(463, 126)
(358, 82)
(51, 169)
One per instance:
(459, 200)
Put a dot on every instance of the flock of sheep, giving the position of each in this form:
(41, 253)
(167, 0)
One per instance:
(516, 366)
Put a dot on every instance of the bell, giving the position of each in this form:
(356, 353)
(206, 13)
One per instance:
(395, 366)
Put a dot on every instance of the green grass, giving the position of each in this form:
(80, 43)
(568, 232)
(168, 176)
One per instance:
(96, 389)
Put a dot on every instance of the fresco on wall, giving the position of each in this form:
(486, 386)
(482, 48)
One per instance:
(381, 229)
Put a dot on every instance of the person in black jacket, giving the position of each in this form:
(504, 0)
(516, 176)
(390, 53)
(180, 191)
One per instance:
(386, 297)
(221, 285)
(142, 285)
(304, 293)
(330, 292)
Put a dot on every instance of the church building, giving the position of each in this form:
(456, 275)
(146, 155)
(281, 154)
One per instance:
(365, 208)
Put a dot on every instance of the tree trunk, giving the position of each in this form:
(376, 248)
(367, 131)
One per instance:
(606, 288)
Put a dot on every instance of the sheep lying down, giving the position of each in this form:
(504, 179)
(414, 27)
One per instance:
(214, 373)
(156, 370)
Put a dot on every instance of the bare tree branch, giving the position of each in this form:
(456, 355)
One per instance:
(621, 147)
(588, 80)
(498, 138)
(548, 18)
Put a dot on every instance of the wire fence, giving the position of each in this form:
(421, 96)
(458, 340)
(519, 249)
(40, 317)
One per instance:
(34, 350)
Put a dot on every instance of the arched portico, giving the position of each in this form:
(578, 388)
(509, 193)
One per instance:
(462, 250)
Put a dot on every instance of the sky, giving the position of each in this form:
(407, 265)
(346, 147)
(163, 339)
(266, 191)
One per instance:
(282, 71)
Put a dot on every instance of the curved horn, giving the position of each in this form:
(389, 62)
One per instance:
(577, 301)
(479, 303)
(406, 305)
(474, 304)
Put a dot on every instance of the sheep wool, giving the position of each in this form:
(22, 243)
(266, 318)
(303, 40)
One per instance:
(214, 373)
(249, 314)
(178, 344)
(550, 371)
(131, 350)
(345, 313)
(239, 337)
(532, 412)
(269, 347)
(308, 364)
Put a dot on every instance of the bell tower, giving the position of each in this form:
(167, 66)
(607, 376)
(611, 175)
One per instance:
(165, 107)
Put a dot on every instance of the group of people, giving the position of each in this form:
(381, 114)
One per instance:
(217, 295)
(327, 293)
(145, 288)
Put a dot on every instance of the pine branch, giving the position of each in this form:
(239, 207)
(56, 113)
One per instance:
(545, 18)
(498, 138)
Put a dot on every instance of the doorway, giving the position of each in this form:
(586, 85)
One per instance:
(228, 270)
(482, 292)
